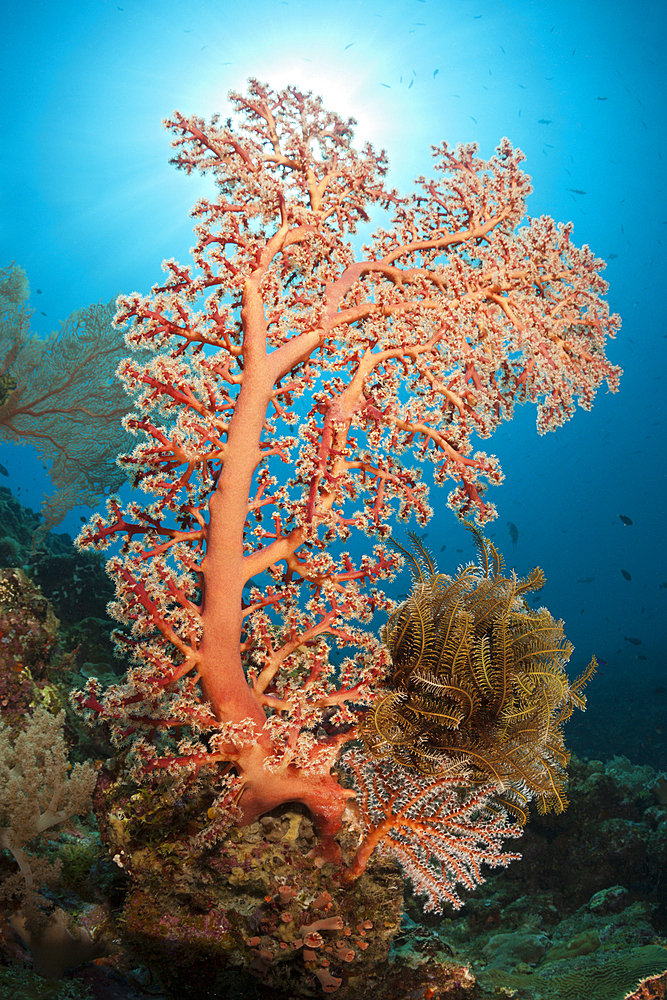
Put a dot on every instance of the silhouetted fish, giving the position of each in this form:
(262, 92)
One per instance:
(626, 574)
(513, 531)
(545, 121)
(630, 638)
(3, 470)
(625, 519)
(586, 579)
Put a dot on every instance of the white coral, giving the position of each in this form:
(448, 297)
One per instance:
(38, 790)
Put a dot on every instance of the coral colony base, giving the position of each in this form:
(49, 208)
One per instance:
(260, 720)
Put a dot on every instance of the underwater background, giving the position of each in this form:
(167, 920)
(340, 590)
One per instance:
(91, 206)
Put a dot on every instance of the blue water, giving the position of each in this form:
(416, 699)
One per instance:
(91, 206)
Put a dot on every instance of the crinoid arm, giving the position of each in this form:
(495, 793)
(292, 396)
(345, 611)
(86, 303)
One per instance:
(478, 677)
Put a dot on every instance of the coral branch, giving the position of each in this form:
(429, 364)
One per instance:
(233, 587)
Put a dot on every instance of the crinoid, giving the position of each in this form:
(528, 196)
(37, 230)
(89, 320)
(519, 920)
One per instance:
(478, 677)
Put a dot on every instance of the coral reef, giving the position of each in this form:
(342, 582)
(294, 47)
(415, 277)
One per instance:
(28, 639)
(39, 790)
(254, 903)
(533, 929)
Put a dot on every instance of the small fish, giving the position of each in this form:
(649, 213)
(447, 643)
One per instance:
(630, 638)
(626, 574)
(83, 520)
(601, 98)
(348, 46)
(502, 49)
(513, 532)
(625, 519)
(575, 190)
(386, 85)
(586, 579)
(612, 256)
(545, 121)
(410, 84)
(3, 470)
(38, 291)
(642, 657)
(474, 119)
(435, 73)
(442, 548)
